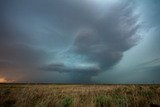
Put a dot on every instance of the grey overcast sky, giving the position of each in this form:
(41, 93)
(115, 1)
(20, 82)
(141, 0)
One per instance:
(80, 41)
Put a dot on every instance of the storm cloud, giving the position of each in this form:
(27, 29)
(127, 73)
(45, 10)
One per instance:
(75, 41)
(101, 43)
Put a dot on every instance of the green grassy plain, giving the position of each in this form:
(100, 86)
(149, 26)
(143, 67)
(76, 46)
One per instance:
(54, 95)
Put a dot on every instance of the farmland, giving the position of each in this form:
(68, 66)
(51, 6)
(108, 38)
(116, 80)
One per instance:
(59, 95)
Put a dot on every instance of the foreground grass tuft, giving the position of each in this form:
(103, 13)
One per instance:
(67, 101)
(103, 101)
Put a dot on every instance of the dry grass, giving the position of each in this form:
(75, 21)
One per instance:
(78, 95)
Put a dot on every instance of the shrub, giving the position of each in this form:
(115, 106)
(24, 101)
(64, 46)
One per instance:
(67, 101)
(103, 101)
(121, 100)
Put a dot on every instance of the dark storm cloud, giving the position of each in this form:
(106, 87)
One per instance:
(79, 38)
(109, 37)
(77, 74)
(4, 63)
(104, 41)
(15, 47)
(63, 69)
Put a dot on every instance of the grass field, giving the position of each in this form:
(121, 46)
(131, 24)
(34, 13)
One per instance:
(52, 95)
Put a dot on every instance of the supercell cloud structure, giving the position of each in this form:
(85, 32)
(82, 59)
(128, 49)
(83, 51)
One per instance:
(82, 41)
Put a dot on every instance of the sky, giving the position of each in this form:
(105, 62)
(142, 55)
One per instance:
(80, 41)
